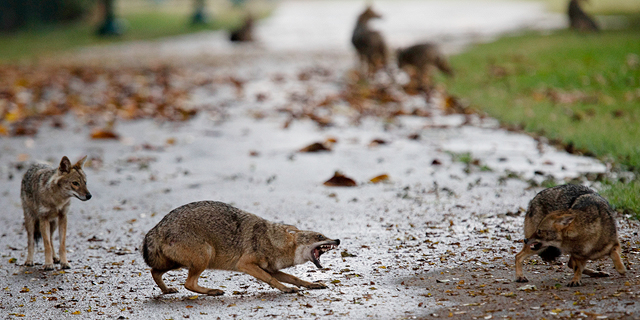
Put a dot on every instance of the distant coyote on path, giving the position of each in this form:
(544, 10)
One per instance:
(419, 59)
(578, 19)
(371, 47)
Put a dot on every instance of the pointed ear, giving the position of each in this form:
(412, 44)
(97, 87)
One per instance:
(80, 163)
(291, 229)
(65, 165)
(563, 221)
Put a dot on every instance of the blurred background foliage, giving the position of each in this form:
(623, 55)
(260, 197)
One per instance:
(33, 28)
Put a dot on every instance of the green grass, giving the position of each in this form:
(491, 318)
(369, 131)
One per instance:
(624, 196)
(48, 40)
(581, 89)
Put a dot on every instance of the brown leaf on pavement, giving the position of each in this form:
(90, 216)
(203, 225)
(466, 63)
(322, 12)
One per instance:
(315, 147)
(103, 134)
(380, 178)
(340, 180)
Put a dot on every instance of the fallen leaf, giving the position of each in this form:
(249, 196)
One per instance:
(103, 134)
(315, 147)
(340, 180)
(380, 178)
(346, 254)
(376, 142)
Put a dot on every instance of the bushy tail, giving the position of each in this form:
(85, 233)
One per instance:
(153, 256)
(146, 251)
(36, 232)
(550, 254)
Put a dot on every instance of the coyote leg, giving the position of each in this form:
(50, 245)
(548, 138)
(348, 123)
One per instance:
(157, 277)
(255, 270)
(617, 262)
(523, 254)
(287, 278)
(578, 267)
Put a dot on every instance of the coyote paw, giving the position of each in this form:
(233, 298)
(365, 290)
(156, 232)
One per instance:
(317, 285)
(48, 267)
(28, 263)
(290, 290)
(215, 292)
(574, 284)
(522, 279)
(170, 290)
(65, 265)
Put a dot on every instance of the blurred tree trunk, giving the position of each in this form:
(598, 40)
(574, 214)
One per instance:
(199, 14)
(110, 26)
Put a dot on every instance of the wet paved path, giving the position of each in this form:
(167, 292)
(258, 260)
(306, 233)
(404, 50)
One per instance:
(434, 220)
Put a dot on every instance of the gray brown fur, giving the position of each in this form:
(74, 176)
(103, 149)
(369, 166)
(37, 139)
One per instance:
(580, 20)
(575, 220)
(370, 45)
(46, 194)
(214, 235)
(421, 58)
(245, 32)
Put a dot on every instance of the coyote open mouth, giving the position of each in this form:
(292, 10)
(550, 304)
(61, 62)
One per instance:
(320, 249)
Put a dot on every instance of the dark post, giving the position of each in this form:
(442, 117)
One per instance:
(110, 26)
(199, 14)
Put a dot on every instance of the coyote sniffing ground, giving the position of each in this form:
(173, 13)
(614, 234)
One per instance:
(417, 61)
(46, 194)
(571, 219)
(214, 235)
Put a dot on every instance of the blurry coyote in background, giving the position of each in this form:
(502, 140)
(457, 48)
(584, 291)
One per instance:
(214, 235)
(244, 32)
(46, 194)
(372, 50)
(578, 19)
(571, 219)
(420, 59)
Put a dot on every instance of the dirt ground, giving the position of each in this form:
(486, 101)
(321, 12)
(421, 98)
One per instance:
(437, 239)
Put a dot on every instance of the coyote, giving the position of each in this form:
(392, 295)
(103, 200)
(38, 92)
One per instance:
(372, 50)
(420, 59)
(245, 32)
(214, 235)
(572, 219)
(45, 195)
(578, 19)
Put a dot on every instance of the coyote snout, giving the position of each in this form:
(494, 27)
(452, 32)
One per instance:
(214, 235)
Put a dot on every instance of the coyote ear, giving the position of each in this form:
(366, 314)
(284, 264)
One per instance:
(65, 165)
(292, 229)
(80, 163)
(564, 221)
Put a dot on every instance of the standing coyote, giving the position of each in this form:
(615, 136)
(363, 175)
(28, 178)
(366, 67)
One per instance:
(371, 48)
(420, 59)
(214, 235)
(244, 32)
(578, 19)
(572, 219)
(45, 195)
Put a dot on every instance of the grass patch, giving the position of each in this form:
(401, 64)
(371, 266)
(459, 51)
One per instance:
(579, 89)
(624, 196)
(140, 25)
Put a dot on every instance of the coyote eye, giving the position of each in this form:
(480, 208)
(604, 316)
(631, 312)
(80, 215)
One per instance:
(75, 183)
(319, 237)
